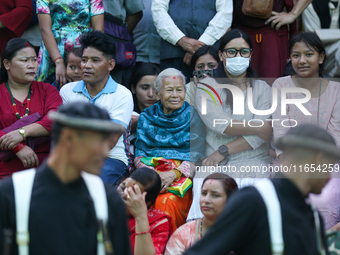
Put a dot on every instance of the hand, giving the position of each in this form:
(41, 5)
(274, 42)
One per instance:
(213, 160)
(60, 73)
(167, 179)
(135, 201)
(28, 157)
(10, 140)
(187, 58)
(279, 19)
(265, 132)
(190, 45)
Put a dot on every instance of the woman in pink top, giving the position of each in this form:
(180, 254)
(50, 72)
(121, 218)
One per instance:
(216, 189)
(308, 59)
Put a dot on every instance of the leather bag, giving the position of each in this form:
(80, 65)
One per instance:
(261, 9)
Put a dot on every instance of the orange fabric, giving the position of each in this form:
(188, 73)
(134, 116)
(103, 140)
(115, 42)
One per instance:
(174, 206)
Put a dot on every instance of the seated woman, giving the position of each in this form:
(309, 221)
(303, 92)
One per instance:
(204, 59)
(239, 147)
(216, 189)
(308, 60)
(149, 228)
(167, 129)
(24, 105)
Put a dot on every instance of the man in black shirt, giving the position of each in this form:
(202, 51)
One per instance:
(243, 226)
(62, 216)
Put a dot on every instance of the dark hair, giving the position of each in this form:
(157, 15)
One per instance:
(100, 41)
(138, 73)
(220, 72)
(151, 182)
(11, 49)
(313, 42)
(228, 183)
(289, 70)
(205, 49)
(78, 52)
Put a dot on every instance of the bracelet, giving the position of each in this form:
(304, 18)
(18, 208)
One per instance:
(60, 57)
(18, 148)
(142, 233)
(178, 173)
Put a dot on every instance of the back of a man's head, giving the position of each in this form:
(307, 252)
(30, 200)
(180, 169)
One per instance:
(80, 116)
(100, 41)
(304, 141)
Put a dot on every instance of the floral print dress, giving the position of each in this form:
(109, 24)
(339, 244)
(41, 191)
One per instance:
(70, 19)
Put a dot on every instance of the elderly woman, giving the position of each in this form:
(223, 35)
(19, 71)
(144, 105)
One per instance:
(164, 131)
(24, 125)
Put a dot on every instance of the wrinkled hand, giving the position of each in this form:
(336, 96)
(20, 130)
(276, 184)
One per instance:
(60, 73)
(134, 200)
(167, 179)
(190, 45)
(279, 19)
(187, 58)
(28, 157)
(10, 140)
(213, 160)
(265, 132)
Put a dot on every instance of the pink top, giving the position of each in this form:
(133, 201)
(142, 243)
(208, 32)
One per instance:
(329, 110)
(182, 239)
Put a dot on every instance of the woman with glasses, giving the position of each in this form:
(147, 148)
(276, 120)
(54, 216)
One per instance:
(234, 143)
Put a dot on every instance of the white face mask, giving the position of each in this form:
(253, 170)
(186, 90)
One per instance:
(237, 66)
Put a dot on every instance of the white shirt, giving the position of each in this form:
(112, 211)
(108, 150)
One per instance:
(115, 99)
(168, 30)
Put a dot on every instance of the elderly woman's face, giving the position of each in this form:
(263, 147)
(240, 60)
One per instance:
(23, 67)
(172, 94)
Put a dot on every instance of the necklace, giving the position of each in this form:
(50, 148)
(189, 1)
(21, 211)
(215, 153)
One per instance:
(319, 101)
(15, 106)
(201, 227)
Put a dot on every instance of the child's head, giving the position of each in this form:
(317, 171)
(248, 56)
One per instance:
(307, 54)
(73, 59)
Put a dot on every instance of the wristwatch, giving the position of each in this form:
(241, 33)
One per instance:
(224, 151)
(23, 133)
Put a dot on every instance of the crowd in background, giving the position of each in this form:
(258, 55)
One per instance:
(150, 64)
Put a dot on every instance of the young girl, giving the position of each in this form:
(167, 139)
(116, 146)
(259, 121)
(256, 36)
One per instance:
(308, 59)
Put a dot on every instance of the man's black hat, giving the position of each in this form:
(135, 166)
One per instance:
(81, 115)
(310, 137)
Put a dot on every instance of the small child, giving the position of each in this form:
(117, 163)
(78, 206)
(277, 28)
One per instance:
(72, 63)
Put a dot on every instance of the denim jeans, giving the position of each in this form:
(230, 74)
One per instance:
(113, 171)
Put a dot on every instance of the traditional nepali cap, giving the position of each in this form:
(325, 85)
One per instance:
(86, 116)
(310, 137)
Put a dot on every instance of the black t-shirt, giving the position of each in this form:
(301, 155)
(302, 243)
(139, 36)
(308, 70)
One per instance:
(62, 218)
(243, 225)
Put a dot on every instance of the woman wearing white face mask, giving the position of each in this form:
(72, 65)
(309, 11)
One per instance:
(232, 142)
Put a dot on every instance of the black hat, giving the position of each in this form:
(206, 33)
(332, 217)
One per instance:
(310, 137)
(86, 116)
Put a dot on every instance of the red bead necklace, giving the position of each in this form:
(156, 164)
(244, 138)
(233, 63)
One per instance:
(15, 106)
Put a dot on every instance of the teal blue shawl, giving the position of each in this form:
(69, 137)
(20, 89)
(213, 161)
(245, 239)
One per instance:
(168, 135)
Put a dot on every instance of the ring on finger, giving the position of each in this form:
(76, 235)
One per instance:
(127, 197)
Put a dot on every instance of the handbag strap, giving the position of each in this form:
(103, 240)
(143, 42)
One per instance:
(268, 193)
(23, 185)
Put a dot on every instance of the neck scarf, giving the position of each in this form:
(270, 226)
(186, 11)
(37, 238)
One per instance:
(164, 135)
